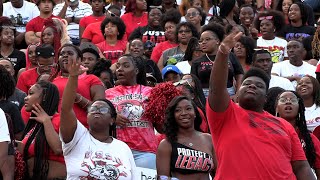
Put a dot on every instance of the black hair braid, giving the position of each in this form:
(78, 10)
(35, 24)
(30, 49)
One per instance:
(49, 103)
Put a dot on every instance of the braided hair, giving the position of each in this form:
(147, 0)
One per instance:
(170, 124)
(138, 63)
(303, 132)
(49, 103)
(49, 23)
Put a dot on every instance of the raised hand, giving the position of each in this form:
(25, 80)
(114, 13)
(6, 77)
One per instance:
(74, 67)
(230, 41)
(41, 115)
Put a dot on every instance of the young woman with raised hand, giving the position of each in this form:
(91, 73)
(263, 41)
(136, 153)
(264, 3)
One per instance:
(183, 135)
(92, 153)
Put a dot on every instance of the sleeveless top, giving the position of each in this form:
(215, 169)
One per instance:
(186, 160)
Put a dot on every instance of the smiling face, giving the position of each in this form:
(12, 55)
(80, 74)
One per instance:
(34, 96)
(294, 12)
(155, 17)
(99, 117)
(246, 16)
(126, 71)
(184, 114)
(305, 87)
(136, 48)
(287, 106)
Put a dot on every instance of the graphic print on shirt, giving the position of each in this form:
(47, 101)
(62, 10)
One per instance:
(102, 166)
(296, 36)
(276, 52)
(113, 54)
(191, 159)
(261, 122)
(153, 36)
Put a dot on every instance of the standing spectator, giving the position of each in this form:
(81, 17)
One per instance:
(7, 47)
(170, 19)
(244, 50)
(313, 3)
(4, 141)
(135, 15)
(196, 17)
(97, 15)
(114, 46)
(312, 44)
(283, 6)
(228, 10)
(90, 54)
(295, 68)
(272, 143)
(30, 59)
(103, 72)
(246, 17)
(73, 12)
(93, 33)
(20, 13)
(34, 27)
(171, 73)
(168, 5)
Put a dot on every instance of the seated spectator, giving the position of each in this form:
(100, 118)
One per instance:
(4, 144)
(46, 65)
(290, 106)
(184, 31)
(97, 15)
(312, 44)
(171, 73)
(182, 116)
(309, 89)
(72, 12)
(135, 15)
(90, 87)
(7, 47)
(34, 27)
(20, 13)
(262, 59)
(196, 17)
(120, 4)
(295, 68)
(18, 96)
(90, 54)
(170, 19)
(186, 4)
(228, 12)
(103, 72)
(244, 50)
(84, 148)
(268, 24)
(30, 59)
(246, 18)
(114, 46)
(93, 33)
(41, 145)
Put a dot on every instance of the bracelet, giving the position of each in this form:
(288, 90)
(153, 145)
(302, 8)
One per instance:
(80, 99)
(225, 53)
(86, 104)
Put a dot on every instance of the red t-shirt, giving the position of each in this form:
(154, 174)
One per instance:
(85, 21)
(27, 79)
(316, 144)
(25, 115)
(93, 33)
(318, 68)
(36, 24)
(159, 48)
(252, 145)
(133, 22)
(130, 102)
(56, 124)
(113, 52)
(85, 82)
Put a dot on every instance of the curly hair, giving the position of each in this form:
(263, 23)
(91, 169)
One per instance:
(303, 12)
(277, 19)
(272, 96)
(49, 23)
(131, 6)
(188, 25)
(217, 29)
(171, 126)
(315, 44)
(249, 45)
(303, 132)
(49, 103)
(171, 15)
(257, 72)
(116, 21)
(103, 66)
(7, 83)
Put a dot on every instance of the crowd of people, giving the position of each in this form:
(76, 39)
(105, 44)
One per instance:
(192, 89)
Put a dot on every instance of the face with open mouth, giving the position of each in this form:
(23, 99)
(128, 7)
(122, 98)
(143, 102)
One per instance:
(246, 16)
(185, 114)
(305, 87)
(288, 106)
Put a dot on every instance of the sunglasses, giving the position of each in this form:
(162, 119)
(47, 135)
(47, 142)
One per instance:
(265, 17)
(102, 110)
(193, 14)
(112, 14)
(156, 7)
(184, 82)
(9, 27)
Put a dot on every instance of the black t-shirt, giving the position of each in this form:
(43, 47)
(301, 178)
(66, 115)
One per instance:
(151, 67)
(202, 69)
(155, 35)
(307, 43)
(17, 98)
(18, 60)
(297, 33)
(13, 111)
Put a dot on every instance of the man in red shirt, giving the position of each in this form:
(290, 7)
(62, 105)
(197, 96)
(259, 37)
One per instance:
(249, 142)
(34, 27)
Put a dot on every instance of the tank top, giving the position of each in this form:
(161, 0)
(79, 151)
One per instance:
(186, 160)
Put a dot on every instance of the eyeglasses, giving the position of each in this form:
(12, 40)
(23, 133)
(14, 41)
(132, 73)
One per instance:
(184, 31)
(193, 14)
(184, 82)
(206, 40)
(48, 66)
(285, 100)
(102, 110)
(265, 17)
(112, 14)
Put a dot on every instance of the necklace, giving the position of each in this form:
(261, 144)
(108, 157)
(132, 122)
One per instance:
(190, 144)
(208, 58)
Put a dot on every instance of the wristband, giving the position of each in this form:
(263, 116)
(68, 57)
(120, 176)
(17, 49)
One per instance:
(80, 99)
(223, 52)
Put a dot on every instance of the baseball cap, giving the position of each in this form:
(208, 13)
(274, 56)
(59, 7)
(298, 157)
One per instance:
(170, 68)
(45, 51)
(89, 47)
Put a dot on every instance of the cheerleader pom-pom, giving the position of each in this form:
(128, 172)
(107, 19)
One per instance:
(160, 97)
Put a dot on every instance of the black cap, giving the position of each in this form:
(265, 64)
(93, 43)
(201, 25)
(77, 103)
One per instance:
(45, 51)
(89, 47)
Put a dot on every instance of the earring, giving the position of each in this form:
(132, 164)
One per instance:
(274, 30)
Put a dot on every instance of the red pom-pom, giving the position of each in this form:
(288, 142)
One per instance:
(160, 97)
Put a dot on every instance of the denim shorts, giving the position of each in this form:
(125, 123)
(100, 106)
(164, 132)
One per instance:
(144, 159)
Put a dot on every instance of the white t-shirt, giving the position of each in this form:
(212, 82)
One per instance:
(184, 67)
(86, 157)
(277, 48)
(277, 81)
(286, 69)
(312, 115)
(28, 11)
(4, 131)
